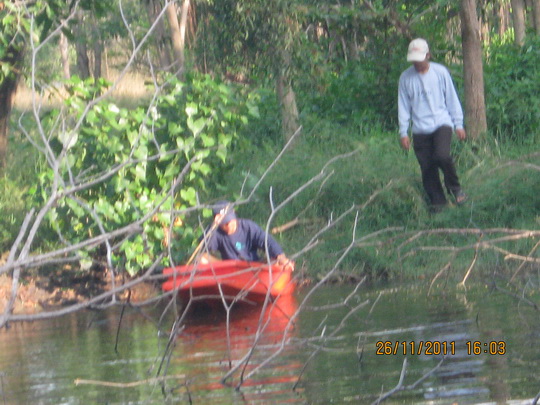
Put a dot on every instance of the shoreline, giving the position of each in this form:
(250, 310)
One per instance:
(38, 293)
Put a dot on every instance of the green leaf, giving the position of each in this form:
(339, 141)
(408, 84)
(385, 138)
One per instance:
(196, 126)
(191, 109)
(189, 195)
(208, 141)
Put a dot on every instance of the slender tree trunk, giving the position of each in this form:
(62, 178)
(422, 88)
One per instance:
(473, 72)
(64, 53)
(8, 87)
(536, 16)
(353, 46)
(289, 110)
(98, 58)
(176, 36)
(154, 8)
(287, 98)
(183, 29)
(502, 15)
(7, 92)
(518, 18)
(97, 49)
(83, 63)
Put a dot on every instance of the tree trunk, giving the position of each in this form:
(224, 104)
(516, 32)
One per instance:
(7, 91)
(8, 88)
(536, 16)
(97, 49)
(64, 53)
(177, 36)
(183, 28)
(83, 63)
(289, 110)
(286, 96)
(518, 18)
(98, 58)
(502, 15)
(154, 8)
(473, 73)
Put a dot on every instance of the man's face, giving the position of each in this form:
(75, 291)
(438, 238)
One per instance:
(422, 66)
(228, 227)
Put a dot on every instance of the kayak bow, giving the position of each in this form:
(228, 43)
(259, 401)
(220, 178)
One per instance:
(230, 279)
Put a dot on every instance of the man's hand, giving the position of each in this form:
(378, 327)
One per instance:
(461, 134)
(207, 258)
(287, 264)
(405, 142)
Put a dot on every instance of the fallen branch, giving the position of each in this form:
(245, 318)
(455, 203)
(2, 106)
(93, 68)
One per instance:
(132, 384)
(290, 224)
(462, 284)
(401, 387)
(523, 264)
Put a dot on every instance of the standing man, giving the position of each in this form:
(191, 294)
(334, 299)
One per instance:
(239, 238)
(427, 97)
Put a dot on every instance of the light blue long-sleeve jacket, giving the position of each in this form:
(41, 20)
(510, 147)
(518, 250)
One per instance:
(428, 99)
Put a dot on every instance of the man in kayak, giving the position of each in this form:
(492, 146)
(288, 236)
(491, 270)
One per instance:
(239, 239)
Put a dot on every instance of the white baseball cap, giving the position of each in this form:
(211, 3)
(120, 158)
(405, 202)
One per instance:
(418, 49)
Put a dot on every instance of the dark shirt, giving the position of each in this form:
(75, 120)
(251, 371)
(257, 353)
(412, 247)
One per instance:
(244, 243)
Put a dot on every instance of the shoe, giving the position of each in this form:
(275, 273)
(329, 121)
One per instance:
(461, 197)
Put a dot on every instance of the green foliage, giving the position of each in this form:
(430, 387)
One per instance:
(344, 65)
(16, 23)
(387, 181)
(14, 26)
(512, 83)
(354, 96)
(264, 129)
(12, 205)
(245, 37)
(140, 156)
(349, 59)
(16, 183)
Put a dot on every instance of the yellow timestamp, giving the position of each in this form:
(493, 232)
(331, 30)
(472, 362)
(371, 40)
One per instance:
(494, 347)
(427, 347)
(439, 347)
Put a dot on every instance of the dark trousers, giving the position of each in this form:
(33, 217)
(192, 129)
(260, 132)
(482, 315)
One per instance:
(433, 153)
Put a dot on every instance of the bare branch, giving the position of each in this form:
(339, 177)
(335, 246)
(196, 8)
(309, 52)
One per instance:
(400, 387)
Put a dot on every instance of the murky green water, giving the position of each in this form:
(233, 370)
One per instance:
(326, 353)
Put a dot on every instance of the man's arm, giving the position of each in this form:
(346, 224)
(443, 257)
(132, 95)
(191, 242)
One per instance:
(454, 106)
(404, 114)
(275, 251)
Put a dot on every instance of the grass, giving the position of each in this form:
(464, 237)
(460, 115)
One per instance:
(384, 228)
(128, 91)
(383, 184)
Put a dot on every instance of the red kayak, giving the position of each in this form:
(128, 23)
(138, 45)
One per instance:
(231, 279)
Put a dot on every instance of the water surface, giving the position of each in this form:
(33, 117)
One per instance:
(339, 346)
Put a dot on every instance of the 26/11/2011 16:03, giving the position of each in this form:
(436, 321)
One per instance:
(436, 348)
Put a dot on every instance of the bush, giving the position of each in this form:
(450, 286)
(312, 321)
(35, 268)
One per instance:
(512, 82)
(357, 95)
(130, 158)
